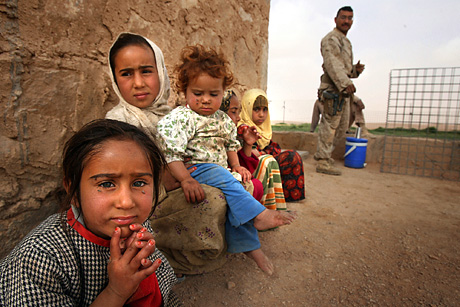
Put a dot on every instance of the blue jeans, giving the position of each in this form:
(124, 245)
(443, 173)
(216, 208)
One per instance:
(240, 233)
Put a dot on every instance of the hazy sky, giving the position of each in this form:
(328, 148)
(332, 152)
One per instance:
(385, 35)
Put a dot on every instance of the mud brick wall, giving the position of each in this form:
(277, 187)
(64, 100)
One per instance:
(54, 79)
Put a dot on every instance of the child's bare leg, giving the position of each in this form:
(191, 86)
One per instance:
(262, 261)
(272, 218)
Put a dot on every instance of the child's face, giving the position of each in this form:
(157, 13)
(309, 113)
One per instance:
(116, 188)
(204, 94)
(137, 75)
(259, 115)
(234, 110)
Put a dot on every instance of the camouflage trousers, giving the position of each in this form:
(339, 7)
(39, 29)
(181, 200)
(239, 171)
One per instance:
(331, 128)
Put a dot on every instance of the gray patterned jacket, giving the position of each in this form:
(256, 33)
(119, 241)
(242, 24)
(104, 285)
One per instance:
(52, 267)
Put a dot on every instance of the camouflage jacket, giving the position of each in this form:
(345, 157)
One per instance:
(337, 62)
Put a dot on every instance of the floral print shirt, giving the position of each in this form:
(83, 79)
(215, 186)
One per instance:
(203, 139)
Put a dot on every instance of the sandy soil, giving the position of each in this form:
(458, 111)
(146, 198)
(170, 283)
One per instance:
(361, 239)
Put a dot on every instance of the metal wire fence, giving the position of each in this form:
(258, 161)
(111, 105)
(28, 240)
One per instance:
(300, 112)
(422, 134)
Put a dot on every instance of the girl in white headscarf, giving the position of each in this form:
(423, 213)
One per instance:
(140, 80)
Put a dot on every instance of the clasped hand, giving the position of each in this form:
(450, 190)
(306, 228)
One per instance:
(129, 264)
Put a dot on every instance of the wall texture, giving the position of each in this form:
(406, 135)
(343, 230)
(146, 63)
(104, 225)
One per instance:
(54, 79)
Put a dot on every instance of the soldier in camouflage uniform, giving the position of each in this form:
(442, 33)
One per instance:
(336, 89)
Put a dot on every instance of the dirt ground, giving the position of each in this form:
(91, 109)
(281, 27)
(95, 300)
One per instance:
(361, 239)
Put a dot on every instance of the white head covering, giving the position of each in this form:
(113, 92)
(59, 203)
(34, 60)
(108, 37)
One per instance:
(146, 118)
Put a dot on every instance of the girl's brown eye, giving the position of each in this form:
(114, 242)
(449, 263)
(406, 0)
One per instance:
(139, 183)
(106, 184)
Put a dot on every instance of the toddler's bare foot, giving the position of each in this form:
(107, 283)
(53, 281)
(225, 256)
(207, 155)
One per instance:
(262, 261)
(273, 218)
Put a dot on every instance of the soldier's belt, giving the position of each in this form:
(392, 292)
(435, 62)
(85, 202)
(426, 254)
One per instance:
(338, 101)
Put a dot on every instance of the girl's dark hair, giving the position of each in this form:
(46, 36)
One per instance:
(225, 105)
(196, 60)
(260, 102)
(88, 141)
(124, 40)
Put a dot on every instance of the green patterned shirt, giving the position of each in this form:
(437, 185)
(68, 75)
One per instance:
(204, 139)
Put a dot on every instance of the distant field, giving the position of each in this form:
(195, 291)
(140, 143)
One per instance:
(287, 123)
(379, 129)
(298, 126)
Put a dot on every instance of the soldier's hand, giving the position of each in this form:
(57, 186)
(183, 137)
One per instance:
(350, 89)
(359, 67)
(360, 104)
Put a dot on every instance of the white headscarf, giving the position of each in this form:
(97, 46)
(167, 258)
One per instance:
(146, 118)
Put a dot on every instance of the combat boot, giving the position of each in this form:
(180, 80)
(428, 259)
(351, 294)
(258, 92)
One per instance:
(325, 167)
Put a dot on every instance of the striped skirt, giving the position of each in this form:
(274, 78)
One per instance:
(268, 173)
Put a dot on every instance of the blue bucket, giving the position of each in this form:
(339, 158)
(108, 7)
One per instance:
(355, 152)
